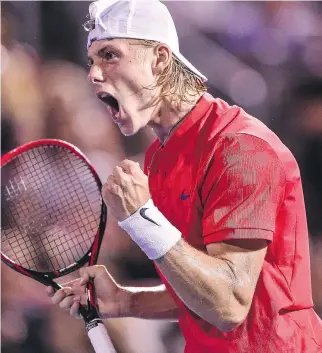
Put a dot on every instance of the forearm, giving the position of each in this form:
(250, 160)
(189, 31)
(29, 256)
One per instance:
(153, 303)
(207, 285)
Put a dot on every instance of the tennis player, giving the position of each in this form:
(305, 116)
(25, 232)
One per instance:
(219, 207)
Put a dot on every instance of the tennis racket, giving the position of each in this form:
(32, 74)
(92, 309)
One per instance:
(53, 219)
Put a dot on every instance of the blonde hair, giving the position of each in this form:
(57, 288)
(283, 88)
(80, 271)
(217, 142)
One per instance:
(176, 81)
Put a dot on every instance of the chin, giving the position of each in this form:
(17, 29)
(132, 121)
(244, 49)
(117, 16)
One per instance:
(128, 133)
(128, 130)
(130, 126)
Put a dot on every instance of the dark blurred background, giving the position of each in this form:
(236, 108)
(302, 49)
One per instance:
(263, 56)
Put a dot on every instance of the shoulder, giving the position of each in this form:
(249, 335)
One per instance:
(229, 122)
(233, 133)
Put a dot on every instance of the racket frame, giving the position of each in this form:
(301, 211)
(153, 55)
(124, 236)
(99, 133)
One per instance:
(90, 315)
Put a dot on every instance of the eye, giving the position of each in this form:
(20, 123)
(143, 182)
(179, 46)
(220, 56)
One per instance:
(89, 62)
(109, 55)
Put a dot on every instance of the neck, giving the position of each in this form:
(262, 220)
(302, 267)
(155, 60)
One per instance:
(169, 116)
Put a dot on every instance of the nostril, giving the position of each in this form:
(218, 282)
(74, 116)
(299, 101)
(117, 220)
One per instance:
(95, 75)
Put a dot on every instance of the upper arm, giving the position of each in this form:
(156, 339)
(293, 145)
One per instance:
(241, 195)
(243, 189)
(245, 258)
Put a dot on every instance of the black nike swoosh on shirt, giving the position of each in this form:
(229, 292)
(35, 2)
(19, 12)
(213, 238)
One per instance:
(143, 215)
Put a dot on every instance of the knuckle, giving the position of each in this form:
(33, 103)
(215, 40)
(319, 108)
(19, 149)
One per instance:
(107, 188)
(115, 189)
(57, 298)
(109, 180)
(115, 171)
(127, 164)
(65, 304)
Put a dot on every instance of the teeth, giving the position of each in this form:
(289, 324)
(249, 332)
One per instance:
(103, 95)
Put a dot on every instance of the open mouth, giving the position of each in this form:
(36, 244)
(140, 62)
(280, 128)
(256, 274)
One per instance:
(109, 100)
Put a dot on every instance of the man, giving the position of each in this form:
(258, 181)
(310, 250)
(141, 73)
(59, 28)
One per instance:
(221, 212)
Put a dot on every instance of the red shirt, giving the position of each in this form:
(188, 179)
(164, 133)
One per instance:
(223, 170)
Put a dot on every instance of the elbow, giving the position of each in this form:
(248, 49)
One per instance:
(230, 319)
(234, 318)
(229, 325)
(236, 311)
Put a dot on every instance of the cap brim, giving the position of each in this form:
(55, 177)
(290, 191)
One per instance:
(190, 66)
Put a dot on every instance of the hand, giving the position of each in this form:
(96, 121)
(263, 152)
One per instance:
(126, 190)
(112, 300)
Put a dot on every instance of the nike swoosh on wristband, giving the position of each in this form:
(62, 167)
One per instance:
(143, 215)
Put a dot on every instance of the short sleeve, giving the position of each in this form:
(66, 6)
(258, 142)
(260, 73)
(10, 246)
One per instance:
(242, 189)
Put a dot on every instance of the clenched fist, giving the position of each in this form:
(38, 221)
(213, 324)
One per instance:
(126, 190)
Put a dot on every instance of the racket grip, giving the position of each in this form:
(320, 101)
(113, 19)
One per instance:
(100, 339)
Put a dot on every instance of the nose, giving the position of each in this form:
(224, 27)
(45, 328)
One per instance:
(95, 75)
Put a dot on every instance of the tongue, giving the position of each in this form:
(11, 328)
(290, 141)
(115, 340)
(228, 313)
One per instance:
(117, 114)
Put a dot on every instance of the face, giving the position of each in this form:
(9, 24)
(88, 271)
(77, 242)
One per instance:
(120, 73)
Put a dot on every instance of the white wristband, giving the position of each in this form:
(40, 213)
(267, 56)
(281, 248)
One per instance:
(154, 234)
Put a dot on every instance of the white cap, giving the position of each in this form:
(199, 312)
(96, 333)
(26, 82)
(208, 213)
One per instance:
(137, 19)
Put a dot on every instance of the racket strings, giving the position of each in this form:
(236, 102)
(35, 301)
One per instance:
(51, 209)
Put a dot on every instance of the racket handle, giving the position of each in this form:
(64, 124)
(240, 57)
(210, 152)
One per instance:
(100, 339)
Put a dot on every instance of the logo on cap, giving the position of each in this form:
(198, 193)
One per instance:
(89, 25)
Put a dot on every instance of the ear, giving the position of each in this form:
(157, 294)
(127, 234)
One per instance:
(162, 58)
